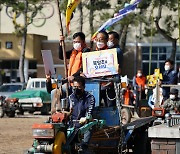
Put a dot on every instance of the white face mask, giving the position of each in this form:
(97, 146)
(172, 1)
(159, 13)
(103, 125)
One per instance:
(139, 74)
(100, 45)
(110, 44)
(171, 96)
(167, 67)
(77, 46)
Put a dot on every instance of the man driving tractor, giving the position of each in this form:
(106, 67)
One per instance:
(80, 105)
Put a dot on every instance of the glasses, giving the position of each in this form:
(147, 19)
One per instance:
(100, 40)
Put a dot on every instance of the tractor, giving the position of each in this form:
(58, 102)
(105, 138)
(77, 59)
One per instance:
(54, 136)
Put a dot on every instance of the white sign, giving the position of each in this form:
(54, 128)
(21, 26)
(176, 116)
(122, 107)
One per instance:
(100, 63)
(48, 62)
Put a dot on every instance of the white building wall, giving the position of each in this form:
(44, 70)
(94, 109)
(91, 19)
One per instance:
(51, 27)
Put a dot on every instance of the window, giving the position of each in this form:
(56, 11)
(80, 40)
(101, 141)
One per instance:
(37, 84)
(158, 57)
(32, 65)
(43, 84)
(9, 45)
(11, 64)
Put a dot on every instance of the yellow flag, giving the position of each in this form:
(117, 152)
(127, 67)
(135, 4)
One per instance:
(72, 4)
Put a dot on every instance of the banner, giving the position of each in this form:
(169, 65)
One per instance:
(72, 4)
(100, 63)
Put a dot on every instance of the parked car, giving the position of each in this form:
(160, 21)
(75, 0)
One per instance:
(9, 88)
(34, 98)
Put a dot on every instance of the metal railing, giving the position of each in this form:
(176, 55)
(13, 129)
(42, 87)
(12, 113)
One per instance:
(172, 119)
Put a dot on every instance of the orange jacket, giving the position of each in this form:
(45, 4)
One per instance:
(141, 81)
(75, 62)
(128, 97)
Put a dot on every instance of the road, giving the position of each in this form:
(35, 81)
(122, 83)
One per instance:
(16, 133)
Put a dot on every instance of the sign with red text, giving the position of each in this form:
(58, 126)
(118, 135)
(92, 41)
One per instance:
(100, 63)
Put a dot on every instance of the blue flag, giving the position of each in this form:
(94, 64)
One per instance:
(120, 15)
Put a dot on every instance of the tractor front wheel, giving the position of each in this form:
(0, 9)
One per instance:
(125, 115)
(11, 113)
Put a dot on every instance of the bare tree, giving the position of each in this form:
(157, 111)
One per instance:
(29, 9)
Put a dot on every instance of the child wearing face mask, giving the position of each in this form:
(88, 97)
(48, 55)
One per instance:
(172, 104)
(169, 77)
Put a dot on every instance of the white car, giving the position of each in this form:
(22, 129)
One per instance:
(9, 88)
(35, 97)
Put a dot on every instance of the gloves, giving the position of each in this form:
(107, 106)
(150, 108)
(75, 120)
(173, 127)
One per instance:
(82, 120)
(152, 106)
(146, 91)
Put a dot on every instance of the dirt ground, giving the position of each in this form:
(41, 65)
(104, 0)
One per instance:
(16, 133)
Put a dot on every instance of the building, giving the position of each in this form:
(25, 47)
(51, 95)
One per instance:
(136, 56)
(10, 49)
(137, 53)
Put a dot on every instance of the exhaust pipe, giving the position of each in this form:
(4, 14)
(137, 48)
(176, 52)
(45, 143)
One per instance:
(45, 148)
(40, 149)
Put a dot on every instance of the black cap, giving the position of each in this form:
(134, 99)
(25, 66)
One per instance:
(174, 91)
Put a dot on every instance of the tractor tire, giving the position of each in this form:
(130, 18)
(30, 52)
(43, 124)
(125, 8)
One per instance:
(1, 112)
(45, 109)
(31, 112)
(11, 113)
(60, 139)
(21, 111)
(125, 116)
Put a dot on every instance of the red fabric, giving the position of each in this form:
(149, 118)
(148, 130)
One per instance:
(141, 81)
(127, 96)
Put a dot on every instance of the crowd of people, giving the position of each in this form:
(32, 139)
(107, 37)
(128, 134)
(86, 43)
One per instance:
(170, 100)
(81, 103)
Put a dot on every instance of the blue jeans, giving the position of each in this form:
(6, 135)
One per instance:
(85, 141)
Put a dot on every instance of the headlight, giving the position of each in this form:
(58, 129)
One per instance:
(158, 112)
(37, 104)
(43, 131)
(48, 133)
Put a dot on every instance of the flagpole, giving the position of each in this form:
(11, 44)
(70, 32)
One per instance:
(63, 45)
